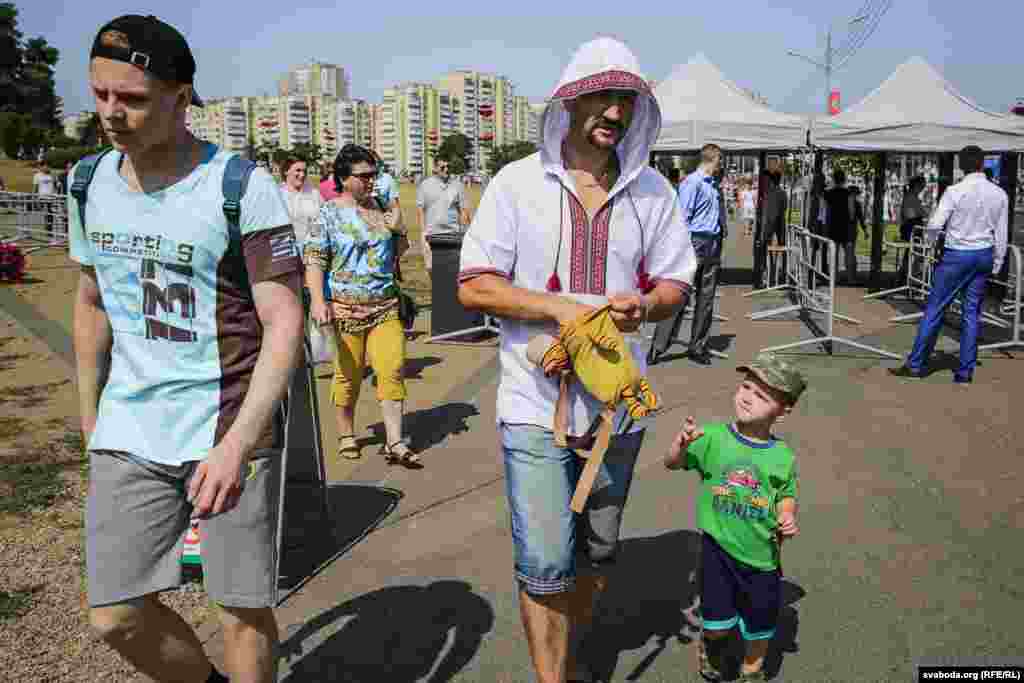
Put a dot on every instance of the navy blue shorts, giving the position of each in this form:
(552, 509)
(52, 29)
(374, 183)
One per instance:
(735, 593)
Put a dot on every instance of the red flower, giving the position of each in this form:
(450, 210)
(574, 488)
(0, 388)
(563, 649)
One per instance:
(12, 262)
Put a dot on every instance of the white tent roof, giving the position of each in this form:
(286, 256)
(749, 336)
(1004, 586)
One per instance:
(700, 106)
(917, 110)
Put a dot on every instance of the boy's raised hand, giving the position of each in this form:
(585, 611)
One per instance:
(787, 524)
(686, 436)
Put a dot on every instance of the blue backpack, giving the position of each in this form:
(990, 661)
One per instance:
(236, 180)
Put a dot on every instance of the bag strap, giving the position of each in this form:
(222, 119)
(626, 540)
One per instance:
(236, 180)
(84, 172)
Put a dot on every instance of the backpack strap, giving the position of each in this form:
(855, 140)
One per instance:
(236, 180)
(84, 172)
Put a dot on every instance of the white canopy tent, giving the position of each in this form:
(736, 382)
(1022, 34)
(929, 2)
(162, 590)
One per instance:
(699, 105)
(916, 110)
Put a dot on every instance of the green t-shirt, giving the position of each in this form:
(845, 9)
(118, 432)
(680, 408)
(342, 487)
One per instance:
(742, 482)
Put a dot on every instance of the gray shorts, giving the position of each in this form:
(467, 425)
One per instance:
(136, 519)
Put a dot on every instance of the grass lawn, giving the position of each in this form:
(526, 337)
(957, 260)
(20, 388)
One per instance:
(17, 174)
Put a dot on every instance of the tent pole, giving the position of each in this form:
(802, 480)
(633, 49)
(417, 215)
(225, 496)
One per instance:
(878, 222)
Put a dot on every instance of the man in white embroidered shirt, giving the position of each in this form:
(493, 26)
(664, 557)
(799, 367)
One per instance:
(582, 223)
(975, 215)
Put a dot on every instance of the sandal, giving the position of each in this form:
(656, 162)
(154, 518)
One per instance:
(709, 663)
(399, 453)
(348, 448)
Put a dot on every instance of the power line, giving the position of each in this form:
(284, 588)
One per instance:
(862, 27)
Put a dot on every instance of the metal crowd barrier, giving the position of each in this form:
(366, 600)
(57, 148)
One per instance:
(814, 291)
(1011, 306)
(924, 256)
(34, 221)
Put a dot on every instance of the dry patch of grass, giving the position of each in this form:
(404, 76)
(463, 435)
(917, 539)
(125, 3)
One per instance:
(17, 174)
(30, 395)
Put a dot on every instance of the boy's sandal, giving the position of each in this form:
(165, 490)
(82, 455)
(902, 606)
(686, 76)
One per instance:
(709, 669)
(348, 448)
(750, 676)
(399, 453)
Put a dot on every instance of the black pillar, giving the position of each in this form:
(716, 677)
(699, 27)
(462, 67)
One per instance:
(878, 221)
(945, 173)
(762, 161)
(1010, 167)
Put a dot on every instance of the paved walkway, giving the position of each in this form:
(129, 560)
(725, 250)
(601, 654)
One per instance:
(911, 513)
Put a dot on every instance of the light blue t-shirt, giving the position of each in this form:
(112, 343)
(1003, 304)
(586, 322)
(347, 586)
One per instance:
(361, 259)
(178, 296)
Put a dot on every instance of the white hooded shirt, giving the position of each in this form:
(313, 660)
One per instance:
(515, 232)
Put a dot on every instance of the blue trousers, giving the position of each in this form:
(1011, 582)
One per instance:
(958, 272)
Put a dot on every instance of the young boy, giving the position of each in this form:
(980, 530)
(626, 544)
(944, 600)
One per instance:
(747, 505)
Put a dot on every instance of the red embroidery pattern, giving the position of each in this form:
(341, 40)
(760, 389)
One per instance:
(599, 248)
(606, 80)
(578, 252)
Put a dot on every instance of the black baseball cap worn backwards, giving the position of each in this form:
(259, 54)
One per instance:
(151, 45)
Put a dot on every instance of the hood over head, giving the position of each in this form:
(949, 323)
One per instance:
(603, 64)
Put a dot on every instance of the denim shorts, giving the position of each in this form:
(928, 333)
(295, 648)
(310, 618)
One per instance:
(540, 479)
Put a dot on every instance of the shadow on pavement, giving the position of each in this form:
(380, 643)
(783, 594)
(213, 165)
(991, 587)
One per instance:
(311, 541)
(432, 426)
(785, 641)
(736, 276)
(653, 599)
(414, 367)
(399, 634)
(651, 593)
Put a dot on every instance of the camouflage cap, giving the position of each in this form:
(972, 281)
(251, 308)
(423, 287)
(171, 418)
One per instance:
(776, 373)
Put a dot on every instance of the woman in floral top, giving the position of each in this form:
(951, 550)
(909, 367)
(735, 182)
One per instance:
(350, 260)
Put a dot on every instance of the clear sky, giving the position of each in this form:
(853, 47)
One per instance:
(241, 48)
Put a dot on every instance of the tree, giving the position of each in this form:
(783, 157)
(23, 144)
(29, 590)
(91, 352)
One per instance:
(307, 151)
(92, 134)
(456, 149)
(506, 154)
(12, 131)
(26, 73)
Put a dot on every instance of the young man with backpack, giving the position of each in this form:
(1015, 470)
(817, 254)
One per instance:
(187, 330)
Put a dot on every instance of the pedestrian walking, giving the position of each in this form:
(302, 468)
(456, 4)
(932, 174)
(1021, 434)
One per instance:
(975, 216)
(839, 224)
(703, 206)
(440, 207)
(302, 198)
(187, 331)
(351, 256)
(582, 223)
(746, 507)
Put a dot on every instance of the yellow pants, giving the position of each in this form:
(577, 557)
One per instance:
(384, 346)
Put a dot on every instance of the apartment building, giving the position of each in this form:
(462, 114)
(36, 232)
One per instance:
(224, 122)
(315, 79)
(75, 125)
(410, 124)
(487, 114)
(527, 121)
(354, 123)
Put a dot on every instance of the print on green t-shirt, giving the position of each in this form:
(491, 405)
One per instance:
(742, 482)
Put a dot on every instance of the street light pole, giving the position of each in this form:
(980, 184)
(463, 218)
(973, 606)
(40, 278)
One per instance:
(828, 62)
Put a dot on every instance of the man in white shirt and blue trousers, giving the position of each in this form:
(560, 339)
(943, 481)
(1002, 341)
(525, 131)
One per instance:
(700, 198)
(975, 214)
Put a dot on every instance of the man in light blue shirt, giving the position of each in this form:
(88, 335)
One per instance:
(700, 198)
